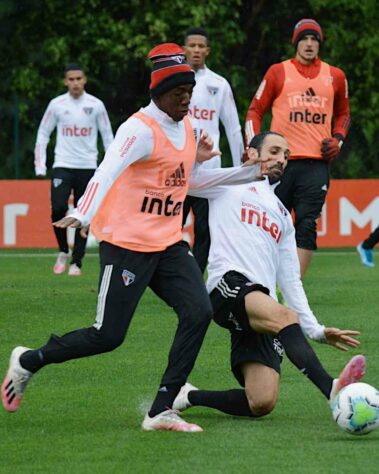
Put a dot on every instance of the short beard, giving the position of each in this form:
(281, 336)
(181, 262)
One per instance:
(274, 179)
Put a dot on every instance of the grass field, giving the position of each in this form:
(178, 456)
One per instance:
(85, 416)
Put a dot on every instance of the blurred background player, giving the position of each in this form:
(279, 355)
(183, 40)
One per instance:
(212, 100)
(365, 248)
(78, 116)
(310, 107)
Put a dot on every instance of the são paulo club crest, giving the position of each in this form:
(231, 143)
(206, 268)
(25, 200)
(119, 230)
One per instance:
(88, 110)
(282, 209)
(212, 90)
(128, 277)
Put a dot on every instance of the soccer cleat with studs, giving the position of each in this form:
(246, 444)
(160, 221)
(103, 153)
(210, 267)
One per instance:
(169, 420)
(353, 371)
(74, 270)
(15, 382)
(61, 263)
(181, 401)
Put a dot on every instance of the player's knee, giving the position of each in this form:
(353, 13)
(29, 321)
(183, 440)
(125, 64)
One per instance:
(283, 317)
(262, 406)
(287, 316)
(200, 315)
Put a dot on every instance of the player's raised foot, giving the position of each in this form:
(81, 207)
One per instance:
(168, 420)
(16, 380)
(61, 263)
(366, 256)
(181, 401)
(74, 270)
(353, 371)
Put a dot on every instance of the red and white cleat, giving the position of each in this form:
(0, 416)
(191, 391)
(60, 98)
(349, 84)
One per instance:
(353, 371)
(74, 270)
(60, 264)
(15, 382)
(169, 420)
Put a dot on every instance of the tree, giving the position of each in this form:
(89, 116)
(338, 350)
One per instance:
(111, 40)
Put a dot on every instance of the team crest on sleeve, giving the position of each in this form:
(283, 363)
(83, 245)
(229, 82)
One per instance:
(282, 209)
(128, 277)
(212, 90)
(88, 110)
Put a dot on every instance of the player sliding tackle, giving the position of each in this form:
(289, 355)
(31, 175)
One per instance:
(253, 248)
(134, 207)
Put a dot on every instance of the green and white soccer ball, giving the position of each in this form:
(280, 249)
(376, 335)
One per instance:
(356, 408)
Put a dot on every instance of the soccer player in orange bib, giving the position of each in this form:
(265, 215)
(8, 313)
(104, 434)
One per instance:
(310, 107)
(134, 203)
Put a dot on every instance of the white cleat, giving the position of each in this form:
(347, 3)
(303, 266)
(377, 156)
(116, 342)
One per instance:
(181, 401)
(74, 270)
(169, 420)
(16, 380)
(61, 263)
(353, 371)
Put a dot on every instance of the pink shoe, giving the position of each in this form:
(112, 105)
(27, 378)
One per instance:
(15, 382)
(60, 264)
(353, 371)
(168, 420)
(74, 270)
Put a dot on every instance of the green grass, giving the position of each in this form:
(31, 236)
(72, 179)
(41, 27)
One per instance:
(85, 416)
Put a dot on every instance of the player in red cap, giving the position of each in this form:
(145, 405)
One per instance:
(310, 107)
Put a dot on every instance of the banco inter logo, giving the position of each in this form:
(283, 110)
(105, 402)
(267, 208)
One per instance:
(308, 99)
(173, 179)
(156, 203)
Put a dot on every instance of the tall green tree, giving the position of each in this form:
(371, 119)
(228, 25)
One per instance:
(111, 40)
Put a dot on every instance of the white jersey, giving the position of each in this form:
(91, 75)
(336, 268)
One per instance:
(253, 234)
(212, 100)
(134, 142)
(78, 122)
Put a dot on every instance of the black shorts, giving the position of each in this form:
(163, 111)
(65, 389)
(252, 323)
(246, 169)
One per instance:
(303, 189)
(228, 301)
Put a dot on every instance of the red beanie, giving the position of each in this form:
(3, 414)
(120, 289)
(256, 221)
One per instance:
(306, 26)
(170, 68)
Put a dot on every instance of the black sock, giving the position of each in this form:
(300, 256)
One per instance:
(164, 399)
(301, 354)
(232, 402)
(32, 360)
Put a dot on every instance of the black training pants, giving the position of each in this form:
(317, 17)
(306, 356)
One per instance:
(63, 181)
(173, 275)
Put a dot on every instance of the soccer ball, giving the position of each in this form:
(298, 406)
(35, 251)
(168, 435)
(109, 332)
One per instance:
(356, 408)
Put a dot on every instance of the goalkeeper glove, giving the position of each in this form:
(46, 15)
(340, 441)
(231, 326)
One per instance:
(330, 147)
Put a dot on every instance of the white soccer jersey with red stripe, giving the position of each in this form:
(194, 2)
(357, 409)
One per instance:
(253, 234)
(212, 100)
(78, 122)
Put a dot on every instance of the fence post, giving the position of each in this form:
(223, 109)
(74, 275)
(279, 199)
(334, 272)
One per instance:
(16, 135)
